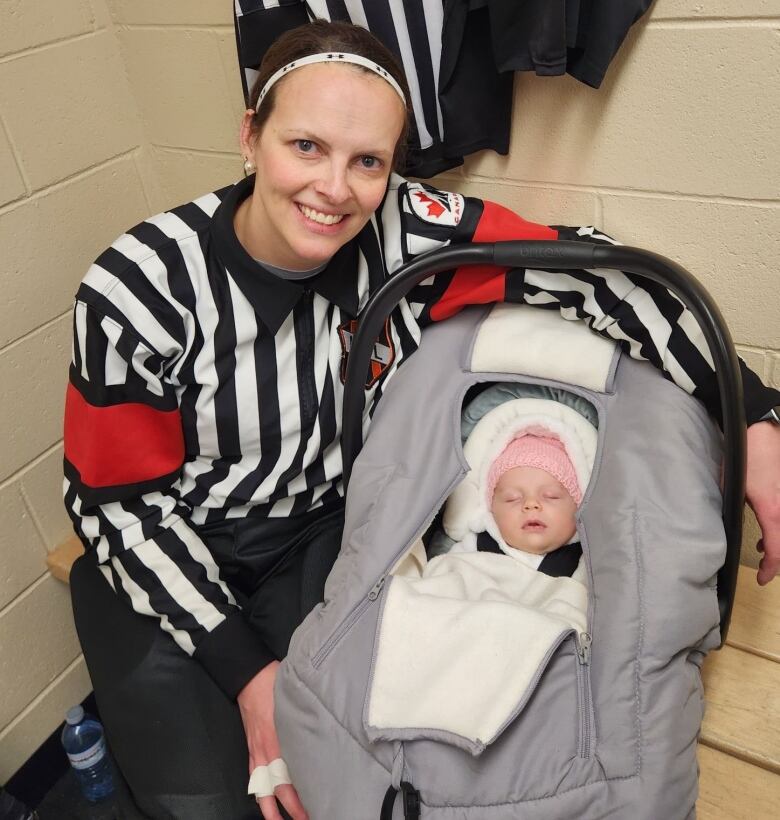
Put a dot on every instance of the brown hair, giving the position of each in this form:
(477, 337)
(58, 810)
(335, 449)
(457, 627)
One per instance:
(318, 37)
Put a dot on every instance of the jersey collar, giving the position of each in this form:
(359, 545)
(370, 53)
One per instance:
(271, 297)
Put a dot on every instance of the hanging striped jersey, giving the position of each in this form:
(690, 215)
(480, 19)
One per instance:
(202, 387)
(412, 34)
(471, 112)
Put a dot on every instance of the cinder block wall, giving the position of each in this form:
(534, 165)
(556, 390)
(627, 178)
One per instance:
(674, 153)
(180, 59)
(70, 181)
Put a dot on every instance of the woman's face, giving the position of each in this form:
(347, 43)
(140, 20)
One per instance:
(323, 159)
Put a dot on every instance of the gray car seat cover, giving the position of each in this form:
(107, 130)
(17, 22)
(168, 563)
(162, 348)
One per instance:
(610, 738)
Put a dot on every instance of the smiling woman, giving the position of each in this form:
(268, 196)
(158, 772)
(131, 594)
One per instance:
(203, 419)
(323, 157)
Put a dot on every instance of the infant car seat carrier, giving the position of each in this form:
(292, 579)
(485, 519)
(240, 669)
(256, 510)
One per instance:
(606, 722)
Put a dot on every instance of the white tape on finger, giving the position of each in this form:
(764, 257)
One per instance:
(279, 774)
(264, 779)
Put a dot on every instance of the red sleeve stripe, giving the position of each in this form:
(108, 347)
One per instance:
(480, 284)
(498, 224)
(471, 285)
(121, 444)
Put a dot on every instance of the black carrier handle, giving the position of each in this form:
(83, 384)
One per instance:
(568, 255)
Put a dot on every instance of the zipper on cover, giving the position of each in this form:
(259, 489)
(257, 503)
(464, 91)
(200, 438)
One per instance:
(352, 618)
(373, 594)
(376, 589)
(583, 648)
(532, 685)
(583, 644)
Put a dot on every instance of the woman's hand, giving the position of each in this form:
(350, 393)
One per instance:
(256, 703)
(763, 493)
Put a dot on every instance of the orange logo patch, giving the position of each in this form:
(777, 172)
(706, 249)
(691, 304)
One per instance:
(382, 354)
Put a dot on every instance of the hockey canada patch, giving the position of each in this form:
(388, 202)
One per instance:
(382, 354)
(435, 207)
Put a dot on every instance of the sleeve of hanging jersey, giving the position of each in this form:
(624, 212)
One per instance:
(258, 23)
(601, 29)
(124, 450)
(647, 320)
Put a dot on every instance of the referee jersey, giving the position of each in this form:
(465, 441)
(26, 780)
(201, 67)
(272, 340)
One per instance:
(202, 387)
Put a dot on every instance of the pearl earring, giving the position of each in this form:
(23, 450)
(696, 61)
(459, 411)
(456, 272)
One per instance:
(249, 167)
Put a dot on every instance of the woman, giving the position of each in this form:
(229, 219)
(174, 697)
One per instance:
(203, 415)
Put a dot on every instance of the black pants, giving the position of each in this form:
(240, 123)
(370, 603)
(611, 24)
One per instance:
(176, 737)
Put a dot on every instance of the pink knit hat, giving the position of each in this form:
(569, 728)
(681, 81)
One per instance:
(531, 450)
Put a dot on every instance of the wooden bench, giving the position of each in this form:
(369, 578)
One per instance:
(60, 560)
(739, 749)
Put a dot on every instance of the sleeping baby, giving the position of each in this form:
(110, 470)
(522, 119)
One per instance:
(533, 494)
(531, 450)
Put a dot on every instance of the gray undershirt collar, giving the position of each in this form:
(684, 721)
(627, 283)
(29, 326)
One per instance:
(293, 275)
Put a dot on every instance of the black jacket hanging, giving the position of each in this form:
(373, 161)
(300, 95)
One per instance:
(531, 35)
(601, 29)
(551, 37)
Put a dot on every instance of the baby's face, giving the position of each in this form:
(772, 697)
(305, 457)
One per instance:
(533, 510)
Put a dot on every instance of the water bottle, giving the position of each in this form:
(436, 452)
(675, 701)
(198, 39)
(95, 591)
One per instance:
(85, 745)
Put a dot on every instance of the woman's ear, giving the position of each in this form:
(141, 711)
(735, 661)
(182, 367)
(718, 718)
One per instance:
(246, 135)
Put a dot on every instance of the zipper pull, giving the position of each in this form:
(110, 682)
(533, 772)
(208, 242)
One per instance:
(376, 589)
(583, 648)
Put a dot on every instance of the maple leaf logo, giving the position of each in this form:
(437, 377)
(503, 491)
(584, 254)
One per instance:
(435, 209)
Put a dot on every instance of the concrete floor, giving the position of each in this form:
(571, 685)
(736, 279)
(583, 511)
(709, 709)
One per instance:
(64, 801)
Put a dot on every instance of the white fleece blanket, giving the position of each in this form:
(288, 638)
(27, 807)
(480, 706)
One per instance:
(460, 643)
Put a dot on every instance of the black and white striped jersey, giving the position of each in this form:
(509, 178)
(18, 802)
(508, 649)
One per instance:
(202, 387)
(470, 112)
(412, 34)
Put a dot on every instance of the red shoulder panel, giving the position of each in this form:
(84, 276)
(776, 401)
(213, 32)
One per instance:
(498, 224)
(480, 284)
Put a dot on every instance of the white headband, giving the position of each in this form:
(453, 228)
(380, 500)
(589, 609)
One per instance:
(332, 56)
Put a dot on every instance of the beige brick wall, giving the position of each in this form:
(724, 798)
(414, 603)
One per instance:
(180, 59)
(674, 153)
(72, 163)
